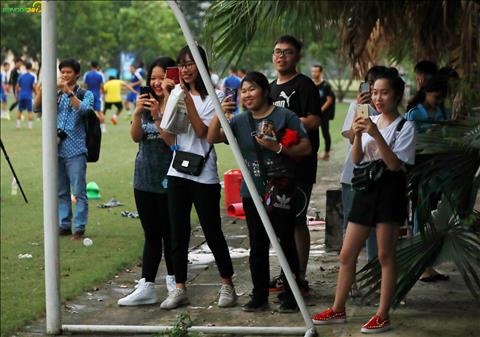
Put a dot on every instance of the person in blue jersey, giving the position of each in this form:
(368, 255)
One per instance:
(72, 150)
(93, 81)
(137, 76)
(25, 91)
(4, 89)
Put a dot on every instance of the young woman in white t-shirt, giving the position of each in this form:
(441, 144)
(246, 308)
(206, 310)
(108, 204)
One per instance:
(384, 206)
(202, 191)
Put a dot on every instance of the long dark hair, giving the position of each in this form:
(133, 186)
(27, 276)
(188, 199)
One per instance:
(163, 62)
(434, 84)
(199, 85)
(260, 80)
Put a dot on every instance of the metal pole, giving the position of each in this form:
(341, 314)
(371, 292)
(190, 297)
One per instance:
(240, 161)
(50, 168)
(247, 330)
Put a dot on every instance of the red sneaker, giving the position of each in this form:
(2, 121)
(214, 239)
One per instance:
(113, 120)
(329, 317)
(376, 324)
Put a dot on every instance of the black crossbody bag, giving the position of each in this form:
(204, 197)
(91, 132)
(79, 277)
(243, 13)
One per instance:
(367, 174)
(190, 163)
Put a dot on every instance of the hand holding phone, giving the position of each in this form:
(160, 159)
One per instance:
(173, 73)
(231, 95)
(362, 110)
(364, 87)
(145, 90)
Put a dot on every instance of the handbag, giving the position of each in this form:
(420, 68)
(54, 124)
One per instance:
(365, 175)
(190, 163)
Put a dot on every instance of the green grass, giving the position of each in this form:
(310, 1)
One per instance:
(117, 240)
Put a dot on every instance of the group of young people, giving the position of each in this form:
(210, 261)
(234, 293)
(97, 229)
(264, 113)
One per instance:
(278, 135)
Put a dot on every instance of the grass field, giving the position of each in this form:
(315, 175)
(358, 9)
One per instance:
(117, 240)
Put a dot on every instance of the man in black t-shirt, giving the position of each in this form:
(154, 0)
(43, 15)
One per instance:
(327, 103)
(14, 75)
(298, 93)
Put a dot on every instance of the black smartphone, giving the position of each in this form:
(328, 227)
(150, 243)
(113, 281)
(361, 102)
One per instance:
(231, 94)
(145, 90)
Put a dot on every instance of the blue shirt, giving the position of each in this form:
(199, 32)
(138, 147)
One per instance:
(94, 80)
(232, 81)
(2, 82)
(70, 120)
(137, 76)
(26, 82)
(419, 114)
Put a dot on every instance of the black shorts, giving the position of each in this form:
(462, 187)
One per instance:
(385, 202)
(108, 105)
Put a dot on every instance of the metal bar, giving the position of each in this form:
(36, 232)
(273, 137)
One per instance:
(50, 168)
(240, 161)
(257, 330)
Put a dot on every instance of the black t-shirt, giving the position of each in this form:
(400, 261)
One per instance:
(301, 96)
(325, 90)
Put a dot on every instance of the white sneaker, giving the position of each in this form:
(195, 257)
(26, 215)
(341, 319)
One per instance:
(175, 299)
(171, 284)
(228, 296)
(144, 293)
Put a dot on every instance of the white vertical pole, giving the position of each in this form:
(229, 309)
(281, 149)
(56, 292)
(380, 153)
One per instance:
(50, 167)
(240, 161)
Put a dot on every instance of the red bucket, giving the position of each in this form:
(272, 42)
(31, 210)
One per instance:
(232, 181)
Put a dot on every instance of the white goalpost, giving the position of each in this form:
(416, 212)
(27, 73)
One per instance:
(50, 169)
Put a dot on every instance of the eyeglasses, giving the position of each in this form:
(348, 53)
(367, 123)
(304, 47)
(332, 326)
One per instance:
(283, 52)
(187, 65)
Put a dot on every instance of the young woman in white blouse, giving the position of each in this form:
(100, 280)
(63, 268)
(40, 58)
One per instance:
(202, 191)
(384, 206)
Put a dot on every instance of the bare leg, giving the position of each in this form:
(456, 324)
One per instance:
(354, 239)
(387, 237)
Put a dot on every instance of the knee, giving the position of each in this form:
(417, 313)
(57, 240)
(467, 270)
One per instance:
(346, 258)
(386, 258)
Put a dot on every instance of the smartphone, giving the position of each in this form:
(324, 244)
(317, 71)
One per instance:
(364, 87)
(231, 94)
(362, 110)
(173, 73)
(145, 90)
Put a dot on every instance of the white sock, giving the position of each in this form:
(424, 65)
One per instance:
(19, 123)
(114, 117)
(30, 124)
(103, 127)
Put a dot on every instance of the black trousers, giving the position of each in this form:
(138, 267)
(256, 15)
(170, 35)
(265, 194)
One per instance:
(182, 193)
(325, 126)
(153, 212)
(260, 244)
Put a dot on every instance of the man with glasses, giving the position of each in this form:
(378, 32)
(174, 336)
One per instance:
(298, 93)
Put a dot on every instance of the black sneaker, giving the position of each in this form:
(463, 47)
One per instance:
(255, 305)
(276, 285)
(64, 232)
(288, 306)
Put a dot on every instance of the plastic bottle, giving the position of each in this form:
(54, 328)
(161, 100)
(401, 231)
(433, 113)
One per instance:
(14, 186)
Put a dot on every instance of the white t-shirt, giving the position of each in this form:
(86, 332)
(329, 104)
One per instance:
(347, 172)
(189, 142)
(403, 141)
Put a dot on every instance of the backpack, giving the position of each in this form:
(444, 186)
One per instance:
(93, 133)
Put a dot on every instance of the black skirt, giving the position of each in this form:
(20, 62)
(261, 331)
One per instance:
(385, 202)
